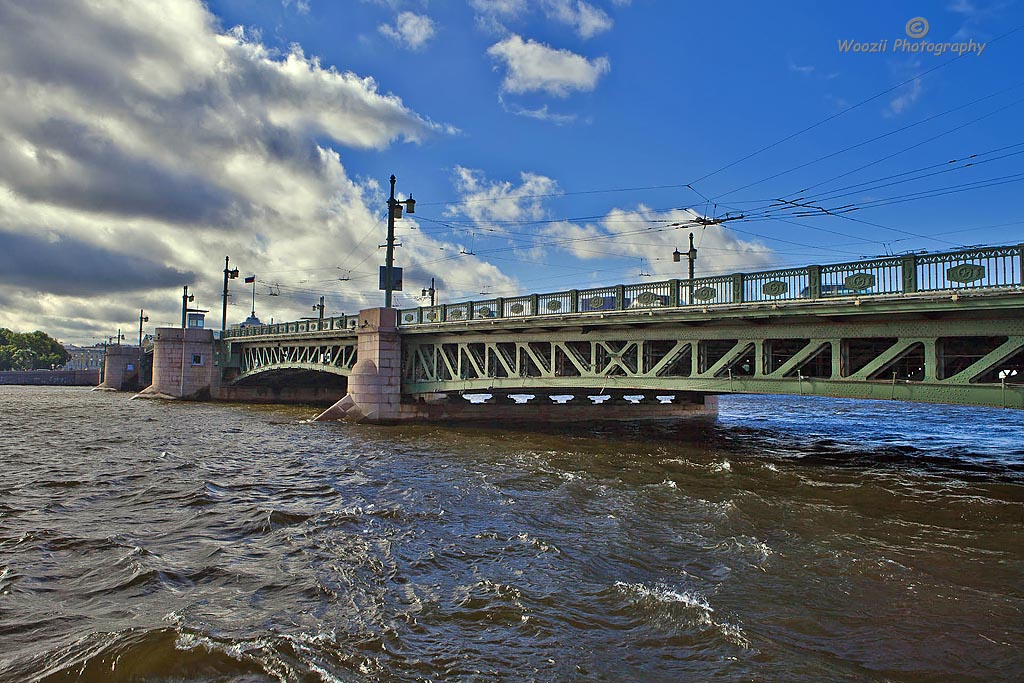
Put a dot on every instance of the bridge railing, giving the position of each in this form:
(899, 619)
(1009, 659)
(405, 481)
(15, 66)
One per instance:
(981, 268)
(341, 322)
(985, 268)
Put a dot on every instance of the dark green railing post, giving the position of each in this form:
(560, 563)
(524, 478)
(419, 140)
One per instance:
(620, 297)
(534, 304)
(444, 314)
(470, 311)
(737, 288)
(814, 281)
(574, 301)
(1020, 259)
(499, 305)
(910, 273)
(673, 293)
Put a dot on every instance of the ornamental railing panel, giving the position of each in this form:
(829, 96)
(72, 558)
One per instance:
(707, 291)
(518, 307)
(558, 302)
(483, 310)
(878, 276)
(776, 285)
(995, 267)
(597, 300)
(647, 295)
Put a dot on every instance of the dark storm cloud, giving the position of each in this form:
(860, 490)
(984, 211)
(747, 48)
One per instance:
(73, 267)
(78, 167)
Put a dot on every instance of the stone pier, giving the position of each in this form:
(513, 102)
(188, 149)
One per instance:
(120, 368)
(183, 364)
(375, 385)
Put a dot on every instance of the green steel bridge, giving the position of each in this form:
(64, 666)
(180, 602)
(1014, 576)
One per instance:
(941, 328)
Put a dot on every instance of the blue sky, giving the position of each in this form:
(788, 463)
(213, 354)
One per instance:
(149, 144)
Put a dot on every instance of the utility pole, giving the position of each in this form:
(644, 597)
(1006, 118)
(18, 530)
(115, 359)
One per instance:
(228, 275)
(430, 291)
(185, 298)
(691, 255)
(143, 318)
(320, 307)
(394, 211)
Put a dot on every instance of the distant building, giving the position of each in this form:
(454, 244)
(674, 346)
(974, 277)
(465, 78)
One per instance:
(84, 357)
(251, 321)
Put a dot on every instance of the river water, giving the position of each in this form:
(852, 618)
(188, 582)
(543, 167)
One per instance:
(795, 540)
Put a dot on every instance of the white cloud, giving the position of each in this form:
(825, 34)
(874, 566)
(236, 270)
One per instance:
(646, 234)
(499, 8)
(586, 19)
(908, 95)
(582, 16)
(963, 7)
(485, 201)
(534, 67)
(145, 144)
(410, 29)
(540, 113)
(516, 214)
(301, 6)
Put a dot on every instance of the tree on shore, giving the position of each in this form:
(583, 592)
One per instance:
(30, 350)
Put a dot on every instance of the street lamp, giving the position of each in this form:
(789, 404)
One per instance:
(185, 299)
(691, 255)
(430, 291)
(143, 318)
(320, 307)
(394, 211)
(228, 275)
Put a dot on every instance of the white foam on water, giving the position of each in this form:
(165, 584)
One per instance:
(695, 601)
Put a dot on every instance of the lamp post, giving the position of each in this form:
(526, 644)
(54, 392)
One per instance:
(185, 299)
(143, 318)
(320, 307)
(691, 255)
(228, 275)
(430, 291)
(394, 211)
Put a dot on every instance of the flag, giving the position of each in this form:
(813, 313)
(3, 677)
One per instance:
(251, 279)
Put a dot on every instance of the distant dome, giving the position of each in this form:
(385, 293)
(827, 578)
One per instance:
(251, 321)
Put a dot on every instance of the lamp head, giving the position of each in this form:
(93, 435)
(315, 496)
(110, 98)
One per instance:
(410, 204)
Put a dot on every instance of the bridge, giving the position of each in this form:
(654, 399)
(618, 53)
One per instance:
(944, 328)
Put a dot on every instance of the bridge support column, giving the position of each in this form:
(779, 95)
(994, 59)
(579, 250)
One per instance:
(183, 364)
(120, 371)
(375, 384)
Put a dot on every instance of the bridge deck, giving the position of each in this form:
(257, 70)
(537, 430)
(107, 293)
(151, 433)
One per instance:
(940, 328)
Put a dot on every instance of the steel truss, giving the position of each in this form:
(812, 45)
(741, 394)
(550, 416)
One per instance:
(335, 356)
(946, 359)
